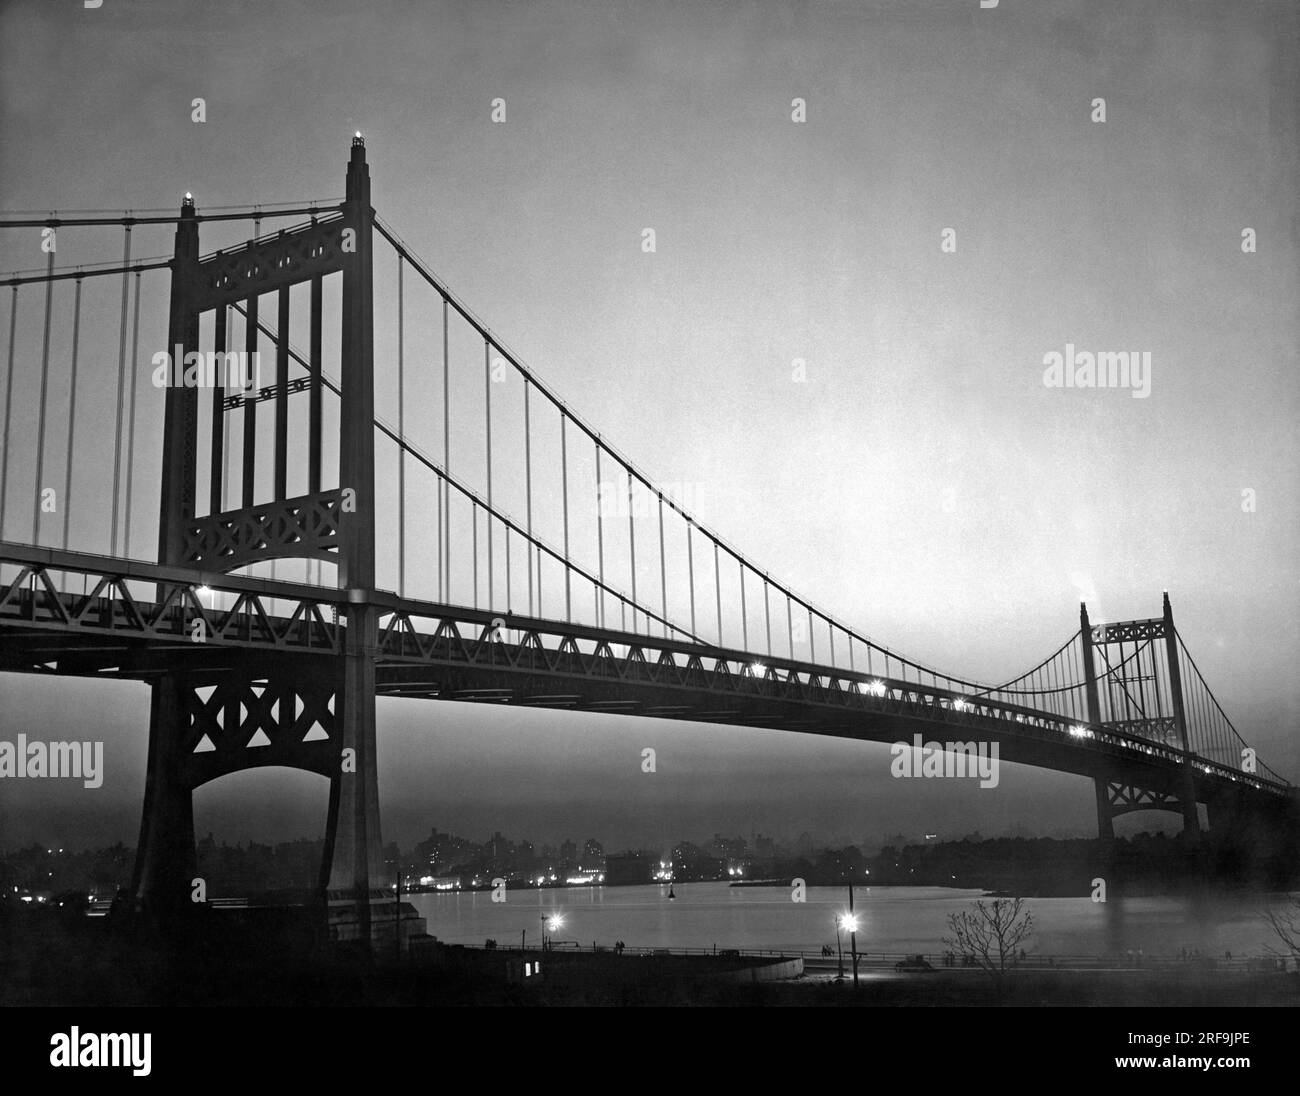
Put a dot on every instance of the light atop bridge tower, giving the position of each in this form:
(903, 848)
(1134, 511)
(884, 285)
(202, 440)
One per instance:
(358, 139)
(187, 206)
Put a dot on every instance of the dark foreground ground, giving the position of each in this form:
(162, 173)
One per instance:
(48, 960)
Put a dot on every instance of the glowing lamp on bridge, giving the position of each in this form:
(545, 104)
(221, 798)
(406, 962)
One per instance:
(959, 705)
(757, 667)
(876, 688)
(849, 922)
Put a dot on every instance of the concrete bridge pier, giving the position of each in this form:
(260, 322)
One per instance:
(165, 864)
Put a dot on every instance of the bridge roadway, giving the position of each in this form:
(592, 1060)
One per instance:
(433, 651)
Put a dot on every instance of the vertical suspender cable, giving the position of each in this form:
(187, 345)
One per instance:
(225, 460)
(631, 540)
(600, 547)
(1112, 711)
(72, 412)
(528, 499)
(1081, 675)
(249, 454)
(121, 384)
(717, 585)
(216, 462)
(9, 403)
(130, 424)
(446, 450)
(1156, 663)
(487, 389)
(1168, 691)
(767, 616)
(281, 485)
(789, 619)
(564, 490)
(316, 393)
(744, 617)
(1142, 689)
(1074, 676)
(663, 569)
(401, 432)
(45, 387)
(690, 560)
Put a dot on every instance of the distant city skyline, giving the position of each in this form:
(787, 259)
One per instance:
(788, 843)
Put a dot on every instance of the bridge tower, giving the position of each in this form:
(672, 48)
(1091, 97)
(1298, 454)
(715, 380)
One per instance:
(1137, 707)
(223, 710)
(1105, 820)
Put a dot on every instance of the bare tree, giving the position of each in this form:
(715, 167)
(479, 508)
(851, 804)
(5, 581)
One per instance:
(991, 935)
(1285, 923)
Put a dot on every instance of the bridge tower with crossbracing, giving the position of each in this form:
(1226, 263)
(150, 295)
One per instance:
(207, 712)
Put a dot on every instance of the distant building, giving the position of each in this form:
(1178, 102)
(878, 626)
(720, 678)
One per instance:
(440, 882)
(593, 856)
(689, 861)
(444, 848)
(629, 868)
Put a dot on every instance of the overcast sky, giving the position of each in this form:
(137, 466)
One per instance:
(922, 482)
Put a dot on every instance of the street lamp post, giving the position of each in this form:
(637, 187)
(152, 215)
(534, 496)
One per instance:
(839, 944)
(555, 922)
(853, 937)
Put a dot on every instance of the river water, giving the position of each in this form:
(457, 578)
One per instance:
(890, 919)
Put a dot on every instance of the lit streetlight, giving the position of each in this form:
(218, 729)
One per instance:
(853, 936)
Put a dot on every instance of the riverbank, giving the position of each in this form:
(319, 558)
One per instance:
(53, 960)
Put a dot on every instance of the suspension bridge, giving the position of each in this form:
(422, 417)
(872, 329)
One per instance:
(485, 545)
